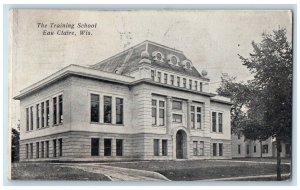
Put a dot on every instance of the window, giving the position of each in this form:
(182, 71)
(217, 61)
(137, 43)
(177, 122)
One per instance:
(54, 110)
(27, 119)
(239, 149)
(47, 149)
(193, 117)
(184, 82)
(190, 84)
(220, 117)
(200, 84)
(254, 148)
(54, 148)
(159, 76)
(196, 85)
(287, 148)
(177, 105)
(177, 118)
(265, 149)
(38, 116)
(161, 113)
(195, 148)
(239, 136)
(42, 114)
(221, 149)
(214, 121)
(156, 147)
(60, 143)
(188, 65)
(178, 81)
(198, 124)
(152, 74)
(214, 149)
(154, 107)
(248, 148)
(159, 57)
(27, 151)
(119, 111)
(201, 148)
(107, 109)
(31, 150)
(174, 60)
(31, 118)
(164, 147)
(94, 108)
(166, 78)
(60, 109)
(47, 113)
(94, 147)
(107, 147)
(37, 150)
(119, 147)
(172, 79)
(42, 149)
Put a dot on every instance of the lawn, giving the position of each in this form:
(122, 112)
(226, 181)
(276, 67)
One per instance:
(204, 169)
(46, 171)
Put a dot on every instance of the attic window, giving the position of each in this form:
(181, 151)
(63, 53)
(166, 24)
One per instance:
(188, 65)
(174, 60)
(158, 56)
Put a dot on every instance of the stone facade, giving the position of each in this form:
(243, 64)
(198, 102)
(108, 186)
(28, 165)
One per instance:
(167, 111)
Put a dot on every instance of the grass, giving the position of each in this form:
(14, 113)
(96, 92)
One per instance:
(46, 171)
(204, 169)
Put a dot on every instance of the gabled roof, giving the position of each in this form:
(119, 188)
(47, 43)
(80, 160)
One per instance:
(128, 60)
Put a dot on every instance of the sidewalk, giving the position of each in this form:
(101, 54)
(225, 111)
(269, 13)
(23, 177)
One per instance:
(119, 174)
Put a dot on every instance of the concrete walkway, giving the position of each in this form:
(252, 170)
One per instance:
(248, 161)
(117, 173)
(245, 177)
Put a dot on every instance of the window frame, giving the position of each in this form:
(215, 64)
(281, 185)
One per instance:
(159, 76)
(96, 108)
(95, 150)
(119, 149)
(165, 78)
(107, 149)
(105, 113)
(174, 119)
(155, 147)
(174, 107)
(164, 147)
(121, 107)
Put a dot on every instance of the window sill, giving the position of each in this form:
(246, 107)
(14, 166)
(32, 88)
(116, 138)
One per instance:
(217, 132)
(197, 129)
(158, 125)
(111, 124)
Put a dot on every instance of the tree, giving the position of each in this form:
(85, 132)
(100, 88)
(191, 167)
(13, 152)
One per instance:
(271, 64)
(238, 92)
(15, 145)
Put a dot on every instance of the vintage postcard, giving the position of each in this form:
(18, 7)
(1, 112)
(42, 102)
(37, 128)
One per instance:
(150, 95)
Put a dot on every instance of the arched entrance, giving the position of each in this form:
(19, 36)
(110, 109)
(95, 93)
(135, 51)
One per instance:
(181, 144)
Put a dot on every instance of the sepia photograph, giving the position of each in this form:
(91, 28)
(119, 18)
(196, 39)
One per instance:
(150, 95)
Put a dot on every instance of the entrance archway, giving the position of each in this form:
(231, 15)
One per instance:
(181, 144)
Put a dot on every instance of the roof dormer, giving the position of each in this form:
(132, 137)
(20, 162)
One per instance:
(173, 60)
(158, 56)
(187, 64)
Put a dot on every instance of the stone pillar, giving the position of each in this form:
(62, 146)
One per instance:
(113, 147)
(169, 114)
(101, 147)
(189, 102)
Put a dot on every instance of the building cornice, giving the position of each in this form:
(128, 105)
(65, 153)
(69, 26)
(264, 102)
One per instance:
(76, 70)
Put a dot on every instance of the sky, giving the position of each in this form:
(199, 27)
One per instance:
(212, 40)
